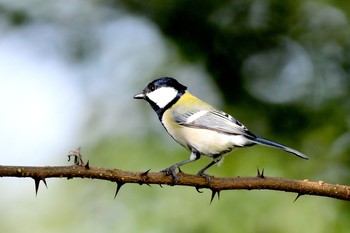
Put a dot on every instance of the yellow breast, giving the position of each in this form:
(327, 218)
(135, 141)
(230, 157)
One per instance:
(208, 142)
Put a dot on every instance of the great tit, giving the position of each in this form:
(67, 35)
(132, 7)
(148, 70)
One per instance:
(198, 126)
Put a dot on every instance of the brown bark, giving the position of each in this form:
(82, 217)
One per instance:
(216, 184)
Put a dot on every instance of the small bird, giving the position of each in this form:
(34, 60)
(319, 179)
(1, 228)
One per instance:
(198, 126)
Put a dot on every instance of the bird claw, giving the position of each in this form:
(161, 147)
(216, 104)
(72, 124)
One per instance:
(78, 158)
(206, 176)
(171, 171)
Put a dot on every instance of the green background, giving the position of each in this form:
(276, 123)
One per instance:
(279, 67)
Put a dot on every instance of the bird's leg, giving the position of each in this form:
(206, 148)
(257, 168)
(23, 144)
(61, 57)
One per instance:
(201, 172)
(172, 169)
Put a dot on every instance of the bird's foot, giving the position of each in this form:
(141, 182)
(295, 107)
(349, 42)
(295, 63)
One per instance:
(206, 176)
(171, 171)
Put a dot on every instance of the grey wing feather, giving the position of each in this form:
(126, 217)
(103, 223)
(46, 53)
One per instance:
(213, 120)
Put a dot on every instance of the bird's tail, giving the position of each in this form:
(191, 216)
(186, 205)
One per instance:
(265, 142)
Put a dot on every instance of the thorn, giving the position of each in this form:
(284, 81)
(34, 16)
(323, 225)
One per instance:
(180, 171)
(299, 195)
(119, 185)
(142, 183)
(213, 193)
(145, 173)
(37, 183)
(261, 175)
(43, 179)
(87, 165)
(198, 190)
(144, 177)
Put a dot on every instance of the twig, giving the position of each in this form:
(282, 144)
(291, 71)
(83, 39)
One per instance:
(300, 187)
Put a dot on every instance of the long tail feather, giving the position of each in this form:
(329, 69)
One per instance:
(265, 142)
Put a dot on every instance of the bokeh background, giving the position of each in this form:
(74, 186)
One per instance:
(69, 70)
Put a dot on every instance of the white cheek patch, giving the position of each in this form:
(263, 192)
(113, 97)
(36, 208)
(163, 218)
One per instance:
(162, 96)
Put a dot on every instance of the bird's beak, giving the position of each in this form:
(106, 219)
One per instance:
(140, 96)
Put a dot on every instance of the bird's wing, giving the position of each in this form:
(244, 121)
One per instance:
(212, 119)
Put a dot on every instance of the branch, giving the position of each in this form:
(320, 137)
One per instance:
(82, 170)
(301, 187)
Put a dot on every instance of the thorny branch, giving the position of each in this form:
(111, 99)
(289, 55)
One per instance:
(82, 170)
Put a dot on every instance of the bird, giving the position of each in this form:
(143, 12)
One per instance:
(198, 126)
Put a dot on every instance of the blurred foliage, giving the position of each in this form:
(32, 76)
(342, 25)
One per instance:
(289, 59)
(247, 47)
(217, 33)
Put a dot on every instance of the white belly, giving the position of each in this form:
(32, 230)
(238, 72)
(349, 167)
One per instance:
(207, 142)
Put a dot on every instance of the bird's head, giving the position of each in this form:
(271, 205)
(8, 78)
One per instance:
(162, 93)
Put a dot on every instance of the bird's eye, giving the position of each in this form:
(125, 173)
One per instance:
(152, 88)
